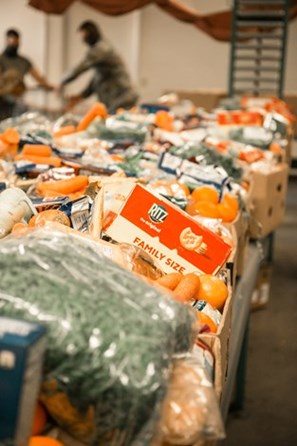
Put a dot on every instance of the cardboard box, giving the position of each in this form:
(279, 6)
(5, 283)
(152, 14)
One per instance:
(260, 296)
(219, 345)
(291, 100)
(241, 228)
(174, 239)
(207, 99)
(268, 196)
(289, 145)
(232, 261)
(21, 352)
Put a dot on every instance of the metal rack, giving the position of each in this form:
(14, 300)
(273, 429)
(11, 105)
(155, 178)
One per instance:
(239, 330)
(258, 47)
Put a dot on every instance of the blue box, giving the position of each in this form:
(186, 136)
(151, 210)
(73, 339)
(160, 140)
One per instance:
(22, 346)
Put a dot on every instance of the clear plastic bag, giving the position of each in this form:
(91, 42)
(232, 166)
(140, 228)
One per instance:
(29, 122)
(111, 336)
(191, 410)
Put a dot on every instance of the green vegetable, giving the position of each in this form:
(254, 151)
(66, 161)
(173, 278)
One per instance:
(112, 337)
(123, 134)
(209, 156)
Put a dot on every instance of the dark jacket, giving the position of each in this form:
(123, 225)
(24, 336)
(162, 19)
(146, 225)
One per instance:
(111, 82)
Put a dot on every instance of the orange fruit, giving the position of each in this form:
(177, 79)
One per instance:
(20, 228)
(39, 420)
(231, 201)
(275, 148)
(164, 120)
(204, 319)
(226, 212)
(213, 290)
(205, 193)
(44, 441)
(203, 208)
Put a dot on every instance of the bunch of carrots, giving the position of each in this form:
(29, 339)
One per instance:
(97, 111)
(9, 140)
(73, 187)
(39, 154)
(190, 287)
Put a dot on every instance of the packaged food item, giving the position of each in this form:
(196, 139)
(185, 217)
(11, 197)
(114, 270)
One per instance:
(239, 117)
(190, 412)
(176, 240)
(22, 346)
(204, 358)
(78, 213)
(170, 188)
(207, 315)
(15, 207)
(111, 336)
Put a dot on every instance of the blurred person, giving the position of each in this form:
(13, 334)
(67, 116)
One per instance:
(111, 81)
(13, 69)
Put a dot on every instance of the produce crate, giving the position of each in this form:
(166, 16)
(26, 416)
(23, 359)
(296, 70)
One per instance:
(291, 100)
(219, 345)
(240, 226)
(268, 195)
(207, 99)
(289, 145)
(232, 261)
(260, 296)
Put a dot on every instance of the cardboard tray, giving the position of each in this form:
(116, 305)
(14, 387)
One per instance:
(240, 226)
(219, 345)
(207, 99)
(268, 195)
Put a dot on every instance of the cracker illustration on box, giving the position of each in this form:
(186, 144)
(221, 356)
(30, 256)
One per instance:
(192, 242)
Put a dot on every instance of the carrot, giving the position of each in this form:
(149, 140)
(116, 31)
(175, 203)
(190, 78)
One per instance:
(37, 150)
(11, 136)
(51, 194)
(66, 130)
(116, 158)
(187, 288)
(98, 109)
(50, 160)
(170, 281)
(77, 194)
(69, 186)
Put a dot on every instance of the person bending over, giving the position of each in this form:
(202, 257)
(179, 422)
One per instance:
(111, 81)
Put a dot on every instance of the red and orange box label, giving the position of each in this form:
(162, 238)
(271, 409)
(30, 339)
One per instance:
(174, 239)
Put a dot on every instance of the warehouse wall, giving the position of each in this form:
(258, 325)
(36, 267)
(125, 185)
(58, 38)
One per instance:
(30, 23)
(161, 53)
(291, 66)
(123, 32)
(175, 55)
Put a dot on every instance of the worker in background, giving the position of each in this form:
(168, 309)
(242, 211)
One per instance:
(111, 82)
(13, 69)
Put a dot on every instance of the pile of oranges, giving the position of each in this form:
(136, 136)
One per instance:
(39, 424)
(204, 201)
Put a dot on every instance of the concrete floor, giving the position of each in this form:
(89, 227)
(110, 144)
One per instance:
(270, 413)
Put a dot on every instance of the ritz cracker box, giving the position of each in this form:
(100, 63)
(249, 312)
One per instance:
(22, 346)
(175, 240)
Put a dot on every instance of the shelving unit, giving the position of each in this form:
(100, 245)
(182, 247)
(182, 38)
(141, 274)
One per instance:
(258, 47)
